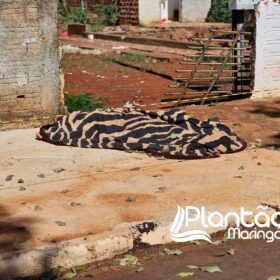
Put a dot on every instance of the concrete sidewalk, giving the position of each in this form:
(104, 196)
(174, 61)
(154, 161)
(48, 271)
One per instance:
(66, 206)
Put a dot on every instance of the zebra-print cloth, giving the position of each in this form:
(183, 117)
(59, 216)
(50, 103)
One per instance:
(171, 134)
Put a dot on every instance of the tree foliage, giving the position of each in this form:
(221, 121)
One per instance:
(219, 12)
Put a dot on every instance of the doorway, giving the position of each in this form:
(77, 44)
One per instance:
(170, 10)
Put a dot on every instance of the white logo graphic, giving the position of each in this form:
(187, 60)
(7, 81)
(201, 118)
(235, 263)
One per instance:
(255, 222)
(186, 236)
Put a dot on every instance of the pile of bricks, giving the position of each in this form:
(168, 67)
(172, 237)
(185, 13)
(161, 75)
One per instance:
(129, 12)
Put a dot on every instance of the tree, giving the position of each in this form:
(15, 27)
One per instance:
(219, 12)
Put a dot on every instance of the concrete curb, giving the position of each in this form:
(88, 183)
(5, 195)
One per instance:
(86, 250)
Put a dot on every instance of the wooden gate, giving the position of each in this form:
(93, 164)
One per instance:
(220, 68)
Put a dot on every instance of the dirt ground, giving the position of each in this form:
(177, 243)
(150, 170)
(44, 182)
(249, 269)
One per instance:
(100, 76)
(237, 259)
(171, 31)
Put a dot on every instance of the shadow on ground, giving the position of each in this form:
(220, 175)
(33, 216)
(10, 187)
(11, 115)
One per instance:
(14, 233)
(271, 111)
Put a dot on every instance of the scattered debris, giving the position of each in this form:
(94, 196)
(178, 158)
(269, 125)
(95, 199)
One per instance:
(236, 124)
(140, 269)
(104, 269)
(22, 188)
(128, 260)
(210, 269)
(275, 277)
(20, 181)
(231, 252)
(148, 258)
(119, 48)
(199, 243)
(80, 267)
(75, 203)
(135, 169)
(161, 189)
(9, 177)
(65, 191)
(130, 199)
(169, 252)
(220, 254)
(69, 275)
(185, 274)
(60, 224)
(258, 142)
(157, 175)
(218, 242)
(38, 208)
(41, 175)
(58, 170)
(192, 266)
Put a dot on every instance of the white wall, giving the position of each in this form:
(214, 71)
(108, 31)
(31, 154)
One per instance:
(195, 10)
(149, 11)
(267, 68)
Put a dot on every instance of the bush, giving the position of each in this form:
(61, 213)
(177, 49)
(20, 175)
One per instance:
(108, 14)
(83, 103)
(76, 15)
(219, 12)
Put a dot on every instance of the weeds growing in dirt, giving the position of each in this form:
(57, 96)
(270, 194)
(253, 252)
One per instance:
(84, 102)
(132, 57)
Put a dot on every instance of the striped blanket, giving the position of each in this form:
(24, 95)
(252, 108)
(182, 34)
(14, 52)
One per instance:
(171, 134)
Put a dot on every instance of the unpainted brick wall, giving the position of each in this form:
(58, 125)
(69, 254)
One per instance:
(29, 61)
(90, 4)
(129, 12)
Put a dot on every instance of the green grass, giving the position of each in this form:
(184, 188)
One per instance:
(83, 102)
(132, 57)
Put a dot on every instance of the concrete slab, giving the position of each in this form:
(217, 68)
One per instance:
(70, 197)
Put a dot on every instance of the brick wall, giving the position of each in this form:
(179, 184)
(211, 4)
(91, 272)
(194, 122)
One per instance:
(29, 63)
(267, 66)
(90, 3)
(129, 12)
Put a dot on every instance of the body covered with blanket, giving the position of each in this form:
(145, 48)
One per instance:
(171, 133)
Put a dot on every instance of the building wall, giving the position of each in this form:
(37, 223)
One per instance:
(29, 63)
(173, 5)
(129, 12)
(195, 10)
(89, 3)
(267, 67)
(149, 11)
